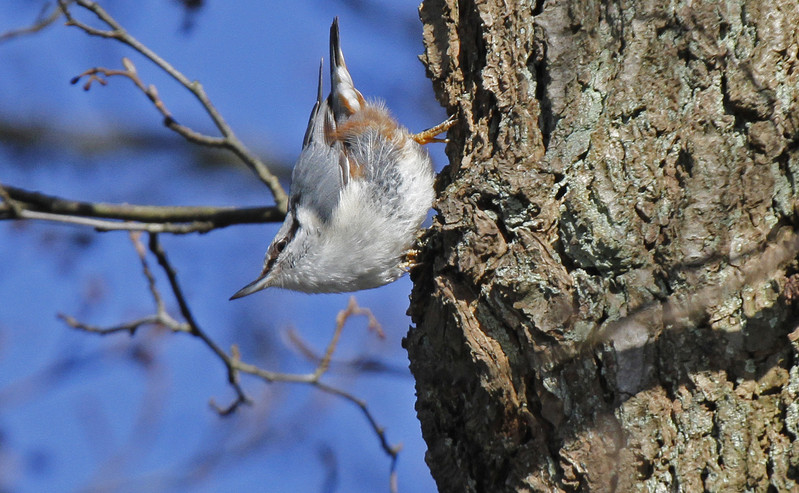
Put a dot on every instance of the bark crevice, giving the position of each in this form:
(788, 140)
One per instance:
(610, 157)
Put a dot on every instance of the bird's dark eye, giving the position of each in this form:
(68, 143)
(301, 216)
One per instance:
(281, 245)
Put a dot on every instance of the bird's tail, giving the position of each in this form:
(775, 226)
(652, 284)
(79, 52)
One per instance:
(344, 98)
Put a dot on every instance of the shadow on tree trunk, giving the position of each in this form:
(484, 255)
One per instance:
(623, 175)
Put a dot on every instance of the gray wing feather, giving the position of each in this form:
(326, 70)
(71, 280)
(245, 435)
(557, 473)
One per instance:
(316, 181)
(323, 167)
(318, 176)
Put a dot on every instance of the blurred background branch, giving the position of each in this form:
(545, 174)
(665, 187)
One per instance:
(232, 361)
(48, 14)
(94, 158)
(229, 139)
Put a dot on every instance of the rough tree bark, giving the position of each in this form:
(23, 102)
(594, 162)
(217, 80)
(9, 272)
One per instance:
(610, 156)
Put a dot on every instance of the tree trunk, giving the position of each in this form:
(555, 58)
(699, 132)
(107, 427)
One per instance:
(617, 171)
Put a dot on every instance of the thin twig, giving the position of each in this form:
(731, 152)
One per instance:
(161, 316)
(40, 23)
(314, 379)
(360, 364)
(233, 362)
(341, 319)
(230, 140)
(194, 328)
(101, 225)
(160, 306)
(324, 360)
(129, 327)
(391, 450)
(100, 74)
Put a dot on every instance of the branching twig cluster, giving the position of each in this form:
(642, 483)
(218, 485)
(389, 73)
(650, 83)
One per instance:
(228, 140)
(233, 363)
(22, 204)
(17, 203)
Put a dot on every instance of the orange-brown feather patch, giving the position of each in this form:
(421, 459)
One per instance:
(367, 119)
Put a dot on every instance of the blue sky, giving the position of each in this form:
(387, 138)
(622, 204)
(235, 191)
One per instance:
(81, 412)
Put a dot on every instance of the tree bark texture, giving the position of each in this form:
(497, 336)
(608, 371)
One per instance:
(611, 161)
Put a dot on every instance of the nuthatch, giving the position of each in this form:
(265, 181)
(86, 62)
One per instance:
(359, 192)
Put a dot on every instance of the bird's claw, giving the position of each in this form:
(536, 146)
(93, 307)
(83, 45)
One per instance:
(428, 136)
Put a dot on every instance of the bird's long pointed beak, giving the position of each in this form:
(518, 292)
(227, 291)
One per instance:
(251, 288)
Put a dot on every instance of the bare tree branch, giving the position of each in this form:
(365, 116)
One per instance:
(194, 328)
(23, 204)
(99, 75)
(229, 139)
(13, 209)
(232, 361)
(18, 203)
(160, 317)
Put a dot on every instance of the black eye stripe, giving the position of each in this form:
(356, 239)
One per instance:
(280, 245)
(293, 201)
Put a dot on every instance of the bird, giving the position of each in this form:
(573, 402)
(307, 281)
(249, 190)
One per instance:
(360, 190)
